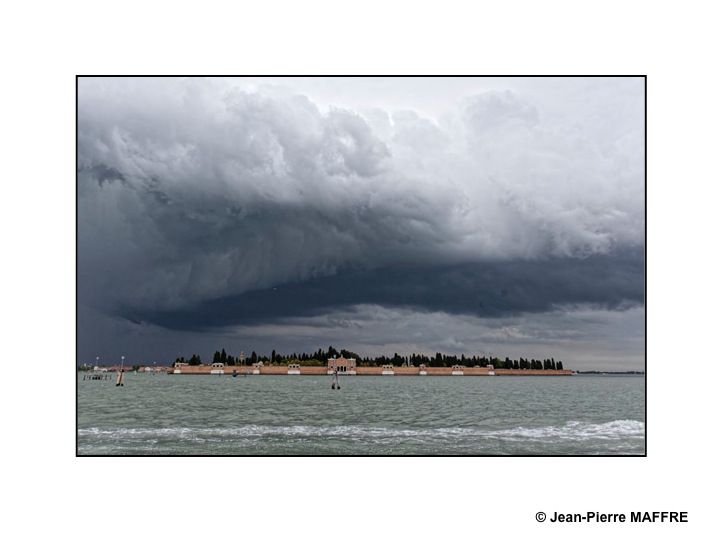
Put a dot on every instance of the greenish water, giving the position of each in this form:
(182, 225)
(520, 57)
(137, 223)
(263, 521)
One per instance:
(166, 414)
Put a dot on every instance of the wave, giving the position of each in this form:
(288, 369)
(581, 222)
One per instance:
(617, 429)
(573, 430)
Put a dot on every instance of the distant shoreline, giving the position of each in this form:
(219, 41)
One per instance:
(610, 372)
(360, 370)
(400, 371)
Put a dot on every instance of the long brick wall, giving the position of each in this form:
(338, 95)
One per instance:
(398, 371)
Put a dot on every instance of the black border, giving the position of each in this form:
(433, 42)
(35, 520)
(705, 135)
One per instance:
(77, 447)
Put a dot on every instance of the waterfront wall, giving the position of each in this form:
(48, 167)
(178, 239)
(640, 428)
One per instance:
(399, 371)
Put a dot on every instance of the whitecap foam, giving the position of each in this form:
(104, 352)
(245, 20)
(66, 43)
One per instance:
(573, 430)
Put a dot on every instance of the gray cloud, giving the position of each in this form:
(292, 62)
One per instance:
(205, 205)
(480, 289)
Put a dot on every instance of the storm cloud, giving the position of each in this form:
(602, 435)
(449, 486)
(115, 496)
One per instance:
(480, 289)
(209, 204)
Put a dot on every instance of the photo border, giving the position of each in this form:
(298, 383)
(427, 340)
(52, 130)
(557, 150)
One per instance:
(75, 371)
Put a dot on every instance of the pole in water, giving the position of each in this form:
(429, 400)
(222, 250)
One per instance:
(336, 381)
(120, 381)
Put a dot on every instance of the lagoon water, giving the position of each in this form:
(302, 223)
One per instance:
(272, 415)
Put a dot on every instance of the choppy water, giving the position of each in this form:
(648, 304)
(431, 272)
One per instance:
(165, 414)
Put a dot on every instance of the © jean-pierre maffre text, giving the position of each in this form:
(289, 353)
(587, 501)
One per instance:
(633, 517)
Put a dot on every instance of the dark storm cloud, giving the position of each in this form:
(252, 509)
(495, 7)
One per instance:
(484, 290)
(203, 206)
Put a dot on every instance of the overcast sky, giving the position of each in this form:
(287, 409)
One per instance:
(498, 216)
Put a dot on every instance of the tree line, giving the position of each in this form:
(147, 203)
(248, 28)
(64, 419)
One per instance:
(321, 357)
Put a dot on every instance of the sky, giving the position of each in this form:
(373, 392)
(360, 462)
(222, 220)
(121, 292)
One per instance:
(499, 216)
